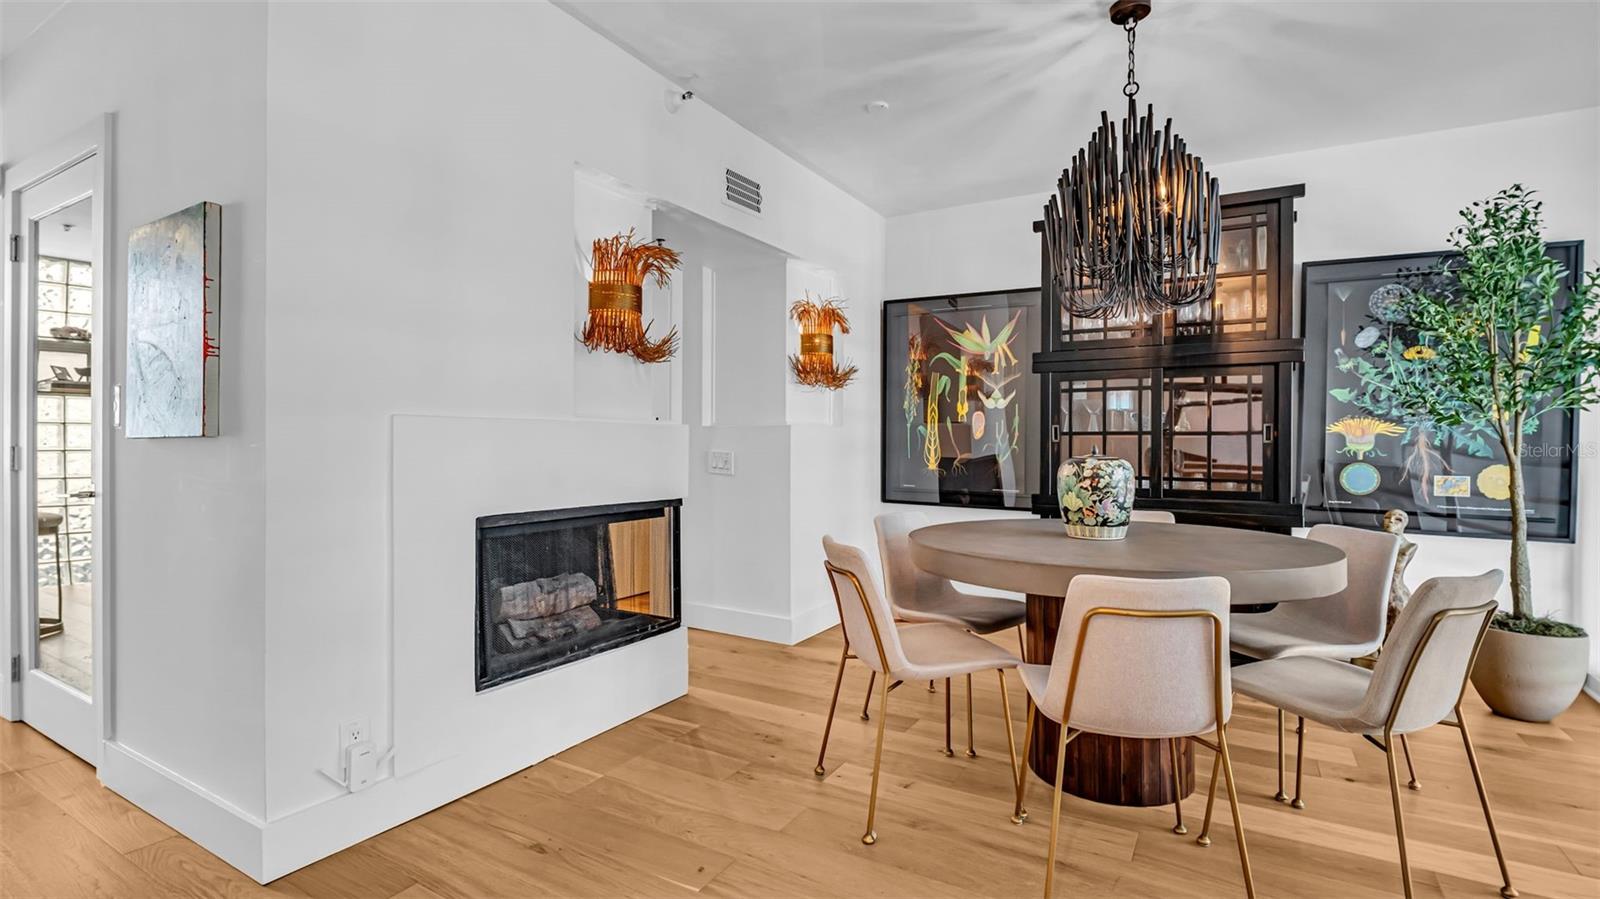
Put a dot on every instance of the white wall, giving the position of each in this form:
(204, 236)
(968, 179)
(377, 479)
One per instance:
(419, 162)
(188, 86)
(422, 157)
(1391, 196)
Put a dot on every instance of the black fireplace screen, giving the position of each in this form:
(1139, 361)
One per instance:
(558, 586)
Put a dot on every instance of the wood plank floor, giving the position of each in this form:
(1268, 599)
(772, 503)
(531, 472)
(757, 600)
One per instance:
(713, 795)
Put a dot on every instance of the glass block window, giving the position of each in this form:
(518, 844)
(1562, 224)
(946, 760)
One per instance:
(65, 294)
(63, 459)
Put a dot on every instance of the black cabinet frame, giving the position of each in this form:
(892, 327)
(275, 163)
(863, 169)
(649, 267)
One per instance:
(1160, 353)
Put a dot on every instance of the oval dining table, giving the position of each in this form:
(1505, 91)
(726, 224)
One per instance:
(1035, 557)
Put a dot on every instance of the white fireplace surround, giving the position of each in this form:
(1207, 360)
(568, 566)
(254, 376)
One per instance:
(449, 739)
(447, 473)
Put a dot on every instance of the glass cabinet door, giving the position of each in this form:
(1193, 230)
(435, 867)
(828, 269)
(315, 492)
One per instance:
(1245, 302)
(1217, 424)
(1111, 415)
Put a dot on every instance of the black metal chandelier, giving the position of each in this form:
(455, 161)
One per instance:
(1134, 227)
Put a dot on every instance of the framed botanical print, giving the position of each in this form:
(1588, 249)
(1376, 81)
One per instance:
(959, 399)
(1362, 456)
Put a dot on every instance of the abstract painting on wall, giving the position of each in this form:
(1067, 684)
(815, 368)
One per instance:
(174, 317)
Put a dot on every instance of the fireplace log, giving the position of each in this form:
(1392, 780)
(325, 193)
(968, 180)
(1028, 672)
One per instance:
(522, 633)
(546, 596)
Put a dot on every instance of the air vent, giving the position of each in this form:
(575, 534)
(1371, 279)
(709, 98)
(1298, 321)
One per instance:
(742, 192)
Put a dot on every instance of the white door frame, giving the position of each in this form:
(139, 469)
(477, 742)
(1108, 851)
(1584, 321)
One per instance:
(16, 535)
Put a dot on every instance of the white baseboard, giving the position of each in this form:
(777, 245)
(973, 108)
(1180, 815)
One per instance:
(301, 837)
(265, 851)
(739, 622)
(1591, 685)
(223, 829)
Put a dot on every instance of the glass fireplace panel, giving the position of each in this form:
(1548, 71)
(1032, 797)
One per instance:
(555, 587)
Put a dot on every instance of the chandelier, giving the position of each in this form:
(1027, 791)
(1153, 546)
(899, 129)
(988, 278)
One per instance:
(1134, 227)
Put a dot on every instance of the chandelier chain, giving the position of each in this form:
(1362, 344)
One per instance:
(1131, 88)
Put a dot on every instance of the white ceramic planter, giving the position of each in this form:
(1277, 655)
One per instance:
(1530, 678)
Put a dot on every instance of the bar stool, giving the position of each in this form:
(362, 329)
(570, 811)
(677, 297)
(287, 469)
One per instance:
(49, 525)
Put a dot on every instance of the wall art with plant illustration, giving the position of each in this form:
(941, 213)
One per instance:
(1364, 452)
(959, 402)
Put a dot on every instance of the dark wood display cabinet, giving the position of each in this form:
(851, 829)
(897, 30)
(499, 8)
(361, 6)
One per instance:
(1202, 400)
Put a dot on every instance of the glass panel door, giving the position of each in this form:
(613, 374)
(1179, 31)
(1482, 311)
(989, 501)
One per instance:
(1107, 415)
(1215, 424)
(1243, 306)
(59, 355)
(64, 444)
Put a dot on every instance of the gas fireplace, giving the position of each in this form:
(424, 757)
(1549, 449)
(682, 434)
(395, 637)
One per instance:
(562, 585)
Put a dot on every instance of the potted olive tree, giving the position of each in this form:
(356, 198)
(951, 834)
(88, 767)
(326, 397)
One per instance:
(1499, 348)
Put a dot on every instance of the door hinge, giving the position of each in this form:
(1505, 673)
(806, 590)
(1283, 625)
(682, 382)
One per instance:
(16, 458)
(16, 668)
(16, 248)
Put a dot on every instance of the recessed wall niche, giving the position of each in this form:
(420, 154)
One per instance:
(609, 385)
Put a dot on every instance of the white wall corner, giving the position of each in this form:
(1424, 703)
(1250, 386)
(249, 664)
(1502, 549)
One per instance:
(221, 828)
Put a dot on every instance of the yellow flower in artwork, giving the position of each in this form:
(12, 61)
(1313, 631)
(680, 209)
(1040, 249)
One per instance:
(1418, 352)
(1495, 482)
(1361, 434)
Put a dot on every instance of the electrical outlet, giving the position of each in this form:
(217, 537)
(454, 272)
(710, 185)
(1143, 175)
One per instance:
(353, 732)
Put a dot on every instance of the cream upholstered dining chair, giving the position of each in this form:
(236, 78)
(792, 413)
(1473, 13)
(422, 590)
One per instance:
(1418, 682)
(1142, 658)
(916, 595)
(1345, 626)
(899, 652)
(1153, 516)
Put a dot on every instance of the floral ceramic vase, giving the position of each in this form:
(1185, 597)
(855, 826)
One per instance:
(1096, 496)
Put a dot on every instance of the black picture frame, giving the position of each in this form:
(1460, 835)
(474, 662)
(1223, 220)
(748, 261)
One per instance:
(1411, 471)
(983, 459)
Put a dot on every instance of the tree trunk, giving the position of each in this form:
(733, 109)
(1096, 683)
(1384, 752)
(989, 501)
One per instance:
(1521, 577)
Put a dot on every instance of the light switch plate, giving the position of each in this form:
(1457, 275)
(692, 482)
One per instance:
(720, 462)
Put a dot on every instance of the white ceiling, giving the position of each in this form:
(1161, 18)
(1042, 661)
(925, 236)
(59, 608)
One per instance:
(19, 19)
(989, 99)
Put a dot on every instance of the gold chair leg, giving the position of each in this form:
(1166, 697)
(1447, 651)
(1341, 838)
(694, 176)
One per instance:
(1005, 712)
(1177, 784)
(872, 677)
(1299, 760)
(948, 751)
(1506, 890)
(1411, 769)
(972, 746)
(833, 703)
(871, 836)
(1233, 803)
(1204, 838)
(1281, 796)
(1018, 813)
(1055, 812)
(1022, 644)
(1399, 819)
